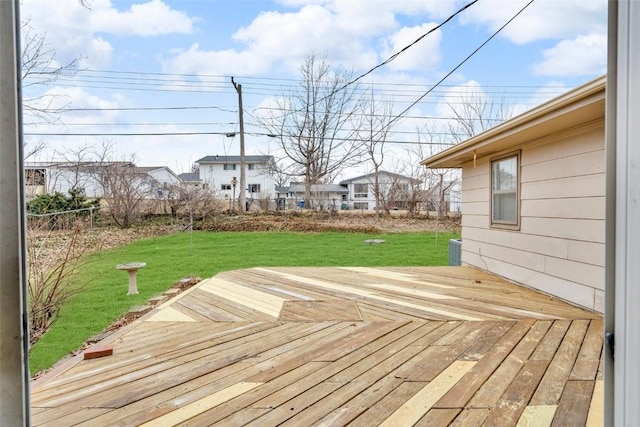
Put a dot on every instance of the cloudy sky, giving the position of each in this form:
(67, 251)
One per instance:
(154, 76)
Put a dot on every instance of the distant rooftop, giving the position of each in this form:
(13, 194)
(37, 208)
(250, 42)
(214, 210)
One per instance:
(235, 159)
(189, 177)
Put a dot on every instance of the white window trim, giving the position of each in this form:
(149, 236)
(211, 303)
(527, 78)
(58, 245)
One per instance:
(505, 224)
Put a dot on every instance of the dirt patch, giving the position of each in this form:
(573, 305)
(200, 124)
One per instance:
(320, 221)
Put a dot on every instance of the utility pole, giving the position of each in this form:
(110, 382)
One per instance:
(14, 341)
(243, 178)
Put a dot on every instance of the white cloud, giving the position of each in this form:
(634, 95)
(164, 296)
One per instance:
(580, 56)
(543, 19)
(100, 56)
(346, 32)
(73, 30)
(423, 56)
(286, 38)
(146, 19)
(222, 62)
(380, 8)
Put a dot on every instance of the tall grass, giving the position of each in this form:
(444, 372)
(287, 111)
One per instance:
(104, 299)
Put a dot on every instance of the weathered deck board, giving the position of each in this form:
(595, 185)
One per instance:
(417, 346)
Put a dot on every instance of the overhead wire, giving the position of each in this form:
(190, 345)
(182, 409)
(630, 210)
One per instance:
(454, 69)
(398, 53)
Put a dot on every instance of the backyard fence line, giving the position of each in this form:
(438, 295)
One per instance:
(55, 214)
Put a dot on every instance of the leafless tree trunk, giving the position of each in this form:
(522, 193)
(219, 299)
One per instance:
(310, 123)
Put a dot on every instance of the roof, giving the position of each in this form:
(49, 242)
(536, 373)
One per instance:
(151, 168)
(578, 107)
(75, 165)
(189, 176)
(382, 172)
(234, 159)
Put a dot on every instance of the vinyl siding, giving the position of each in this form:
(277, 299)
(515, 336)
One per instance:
(559, 248)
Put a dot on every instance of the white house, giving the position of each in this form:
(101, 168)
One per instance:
(396, 191)
(51, 177)
(533, 196)
(161, 176)
(218, 172)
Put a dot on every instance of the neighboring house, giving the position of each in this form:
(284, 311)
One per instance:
(323, 196)
(533, 196)
(51, 177)
(217, 172)
(162, 175)
(396, 191)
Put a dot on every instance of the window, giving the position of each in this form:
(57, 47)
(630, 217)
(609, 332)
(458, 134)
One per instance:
(225, 187)
(504, 190)
(404, 187)
(360, 190)
(361, 205)
(254, 188)
(229, 167)
(34, 176)
(251, 166)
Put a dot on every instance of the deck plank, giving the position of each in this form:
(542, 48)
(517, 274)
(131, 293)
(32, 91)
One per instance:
(552, 384)
(438, 418)
(588, 360)
(491, 391)
(416, 407)
(595, 417)
(461, 393)
(573, 407)
(471, 417)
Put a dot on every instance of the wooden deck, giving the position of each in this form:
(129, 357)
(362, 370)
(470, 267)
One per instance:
(429, 346)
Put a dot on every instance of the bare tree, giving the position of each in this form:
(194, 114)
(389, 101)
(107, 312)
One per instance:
(310, 123)
(191, 200)
(124, 186)
(40, 69)
(53, 268)
(406, 186)
(438, 181)
(373, 130)
(474, 113)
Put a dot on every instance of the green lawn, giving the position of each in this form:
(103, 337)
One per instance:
(103, 298)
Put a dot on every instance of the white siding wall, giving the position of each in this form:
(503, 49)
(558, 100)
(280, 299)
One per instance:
(63, 180)
(214, 175)
(385, 183)
(559, 248)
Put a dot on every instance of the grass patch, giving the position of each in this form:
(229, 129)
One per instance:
(103, 297)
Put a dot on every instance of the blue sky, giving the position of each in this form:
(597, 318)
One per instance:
(160, 54)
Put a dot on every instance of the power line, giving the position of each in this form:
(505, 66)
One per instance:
(194, 107)
(258, 134)
(226, 78)
(395, 55)
(455, 68)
